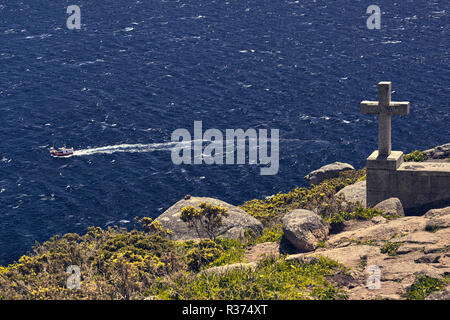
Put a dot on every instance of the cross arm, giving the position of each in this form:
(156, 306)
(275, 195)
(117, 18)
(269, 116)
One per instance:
(369, 107)
(395, 108)
(399, 108)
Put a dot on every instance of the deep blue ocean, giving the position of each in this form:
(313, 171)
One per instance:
(117, 88)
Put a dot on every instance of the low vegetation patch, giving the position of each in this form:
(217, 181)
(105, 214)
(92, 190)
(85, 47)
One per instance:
(320, 198)
(273, 233)
(209, 253)
(424, 286)
(415, 156)
(336, 220)
(114, 263)
(272, 279)
(364, 241)
(363, 262)
(391, 248)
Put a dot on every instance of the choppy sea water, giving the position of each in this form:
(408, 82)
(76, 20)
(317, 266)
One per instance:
(137, 70)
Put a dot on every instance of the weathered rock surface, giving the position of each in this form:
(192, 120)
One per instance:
(438, 219)
(327, 172)
(304, 229)
(439, 152)
(234, 226)
(378, 219)
(391, 207)
(436, 213)
(354, 193)
(420, 252)
(263, 250)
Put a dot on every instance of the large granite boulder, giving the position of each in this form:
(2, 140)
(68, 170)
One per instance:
(391, 207)
(354, 193)
(328, 171)
(439, 152)
(233, 226)
(304, 229)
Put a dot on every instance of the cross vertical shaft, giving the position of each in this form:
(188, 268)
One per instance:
(384, 119)
(384, 135)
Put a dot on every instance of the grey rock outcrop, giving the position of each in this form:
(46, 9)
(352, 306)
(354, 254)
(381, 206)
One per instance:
(391, 207)
(437, 219)
(439, 152)
(327, 172)
(304, 229)
(233, 226)
(354, 193)
(437, 213)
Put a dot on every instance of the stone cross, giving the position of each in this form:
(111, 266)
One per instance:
(385, 108)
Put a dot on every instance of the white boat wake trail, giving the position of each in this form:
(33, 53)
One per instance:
(125, 148)
(137, 147)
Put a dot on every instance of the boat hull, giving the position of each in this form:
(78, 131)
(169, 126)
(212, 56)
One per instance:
(61, 153)
(55, 155)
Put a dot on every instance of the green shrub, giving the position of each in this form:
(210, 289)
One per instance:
(415, 156)
(151, 226)
(423, 286)
(270, 234)
(203, 254)
(208, 218)
(362, 262)
(336, 221)
(362, 213)
(321, 244)
(232, 251)
(208, 253)
(391, 248)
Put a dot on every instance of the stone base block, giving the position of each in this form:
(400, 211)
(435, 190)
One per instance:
(392, 162)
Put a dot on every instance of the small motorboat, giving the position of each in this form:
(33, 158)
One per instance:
(61, 152)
